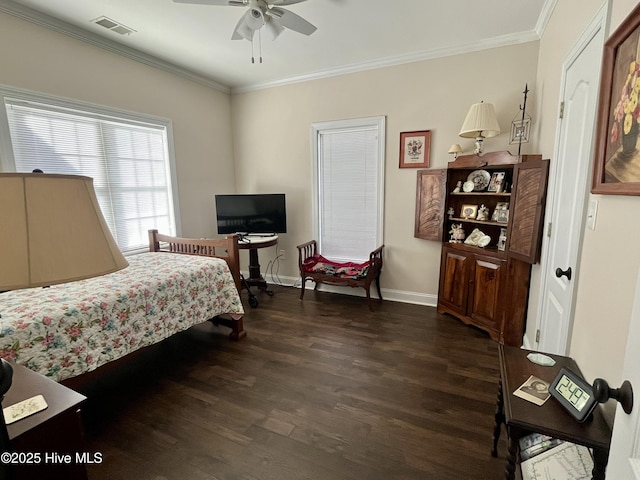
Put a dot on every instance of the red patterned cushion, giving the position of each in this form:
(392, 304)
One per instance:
(322, 265)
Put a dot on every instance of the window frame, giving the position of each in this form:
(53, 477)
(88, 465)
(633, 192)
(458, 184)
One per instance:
(7, 159)
(317, 129)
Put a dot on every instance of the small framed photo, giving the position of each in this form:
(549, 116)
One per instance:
(497, 182)
(503, 216)
(500, 206)
(469, 211)
(414, 149)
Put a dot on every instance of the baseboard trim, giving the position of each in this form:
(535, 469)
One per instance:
(416, 298)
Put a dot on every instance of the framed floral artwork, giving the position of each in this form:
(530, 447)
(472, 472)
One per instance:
(616, 168)
(414, 149)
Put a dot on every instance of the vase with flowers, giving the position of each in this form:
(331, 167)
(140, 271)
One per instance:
(626, 113)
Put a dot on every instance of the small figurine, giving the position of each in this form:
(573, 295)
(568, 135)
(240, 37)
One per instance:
(502, 239)
(450, 212)
(458, 187)
(483, 213)
(457, 233)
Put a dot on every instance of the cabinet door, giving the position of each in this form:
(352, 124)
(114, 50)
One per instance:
(430, 204)
(525, 223)
(454, 280)
(485, 295)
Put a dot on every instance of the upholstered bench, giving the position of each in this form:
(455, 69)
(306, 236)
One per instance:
(314, 266)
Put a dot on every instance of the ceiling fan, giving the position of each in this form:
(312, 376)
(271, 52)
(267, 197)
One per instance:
(262, 13)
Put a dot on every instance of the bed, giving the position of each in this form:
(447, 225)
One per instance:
(70, 329)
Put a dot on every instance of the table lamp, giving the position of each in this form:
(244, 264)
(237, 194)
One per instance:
(53, 231)
(480, 123)
(455, 150)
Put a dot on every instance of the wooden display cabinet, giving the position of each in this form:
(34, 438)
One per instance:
(485, 286)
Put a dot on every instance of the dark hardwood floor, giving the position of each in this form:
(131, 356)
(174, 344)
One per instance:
(319, 389)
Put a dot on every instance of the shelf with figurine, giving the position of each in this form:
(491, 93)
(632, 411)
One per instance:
(492, 191)
(479, 194)
(480, 215)
(478, 238)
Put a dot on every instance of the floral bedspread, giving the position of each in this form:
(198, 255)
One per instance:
(73, 328)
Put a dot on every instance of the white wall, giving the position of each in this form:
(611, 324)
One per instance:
(40, 60)
(271, 130)
(609, 262)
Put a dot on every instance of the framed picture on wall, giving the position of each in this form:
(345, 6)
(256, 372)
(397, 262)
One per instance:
(617, 158)
(414, 149)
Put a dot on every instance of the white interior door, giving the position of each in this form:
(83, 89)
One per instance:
(624, 458)
(572, 166)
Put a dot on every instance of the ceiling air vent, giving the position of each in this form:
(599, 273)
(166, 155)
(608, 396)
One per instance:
(112, 25)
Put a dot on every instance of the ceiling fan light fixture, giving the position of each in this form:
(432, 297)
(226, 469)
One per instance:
(255, 19)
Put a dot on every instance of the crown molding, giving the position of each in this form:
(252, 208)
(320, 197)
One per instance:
(65, 28)
(496, 42)
(545, 16)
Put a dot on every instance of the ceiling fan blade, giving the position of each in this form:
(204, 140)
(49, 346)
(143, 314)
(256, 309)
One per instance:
(291, 20)
(242, 29)
(273, 28)
(233, 3)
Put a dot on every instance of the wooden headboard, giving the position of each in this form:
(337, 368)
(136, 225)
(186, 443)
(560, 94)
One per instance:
(224, 248)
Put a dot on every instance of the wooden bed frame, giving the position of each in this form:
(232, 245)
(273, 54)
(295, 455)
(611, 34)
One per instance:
(224, 248)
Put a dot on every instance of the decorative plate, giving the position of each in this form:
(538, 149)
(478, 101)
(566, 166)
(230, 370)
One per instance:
(468, 186)
(480, 179)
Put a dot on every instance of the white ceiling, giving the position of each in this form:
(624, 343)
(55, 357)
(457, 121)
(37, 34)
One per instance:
(352, 35)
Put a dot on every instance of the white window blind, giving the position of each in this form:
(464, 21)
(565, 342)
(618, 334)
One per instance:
(350, 171)
(127, 159)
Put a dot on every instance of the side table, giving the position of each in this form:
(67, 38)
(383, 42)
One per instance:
(55, 430)
(522, 417)
(253, 243)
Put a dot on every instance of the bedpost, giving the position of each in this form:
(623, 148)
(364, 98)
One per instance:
(234, 260)
(154, 244)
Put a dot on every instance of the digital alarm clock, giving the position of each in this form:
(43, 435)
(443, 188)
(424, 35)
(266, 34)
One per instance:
(573, 393)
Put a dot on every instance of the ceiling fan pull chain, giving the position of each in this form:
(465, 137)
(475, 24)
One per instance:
(260, 43)
(252, 59)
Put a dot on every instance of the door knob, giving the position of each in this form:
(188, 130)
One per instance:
(566, 273)
(602, 392)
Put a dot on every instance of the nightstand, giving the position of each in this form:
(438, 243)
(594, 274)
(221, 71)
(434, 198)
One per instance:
(522, 417)
(55, 430)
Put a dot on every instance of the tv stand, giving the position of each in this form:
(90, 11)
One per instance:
(253, 243)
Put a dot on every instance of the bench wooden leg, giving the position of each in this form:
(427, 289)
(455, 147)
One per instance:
(378, 288)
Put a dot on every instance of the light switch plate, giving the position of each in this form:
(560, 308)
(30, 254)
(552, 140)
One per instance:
(591, 214)
(23, 409)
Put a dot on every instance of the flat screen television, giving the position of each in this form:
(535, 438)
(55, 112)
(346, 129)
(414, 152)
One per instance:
(251, 213)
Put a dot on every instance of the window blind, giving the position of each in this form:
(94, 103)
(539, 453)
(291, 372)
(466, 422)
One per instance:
(127, 159)
(348, 207)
